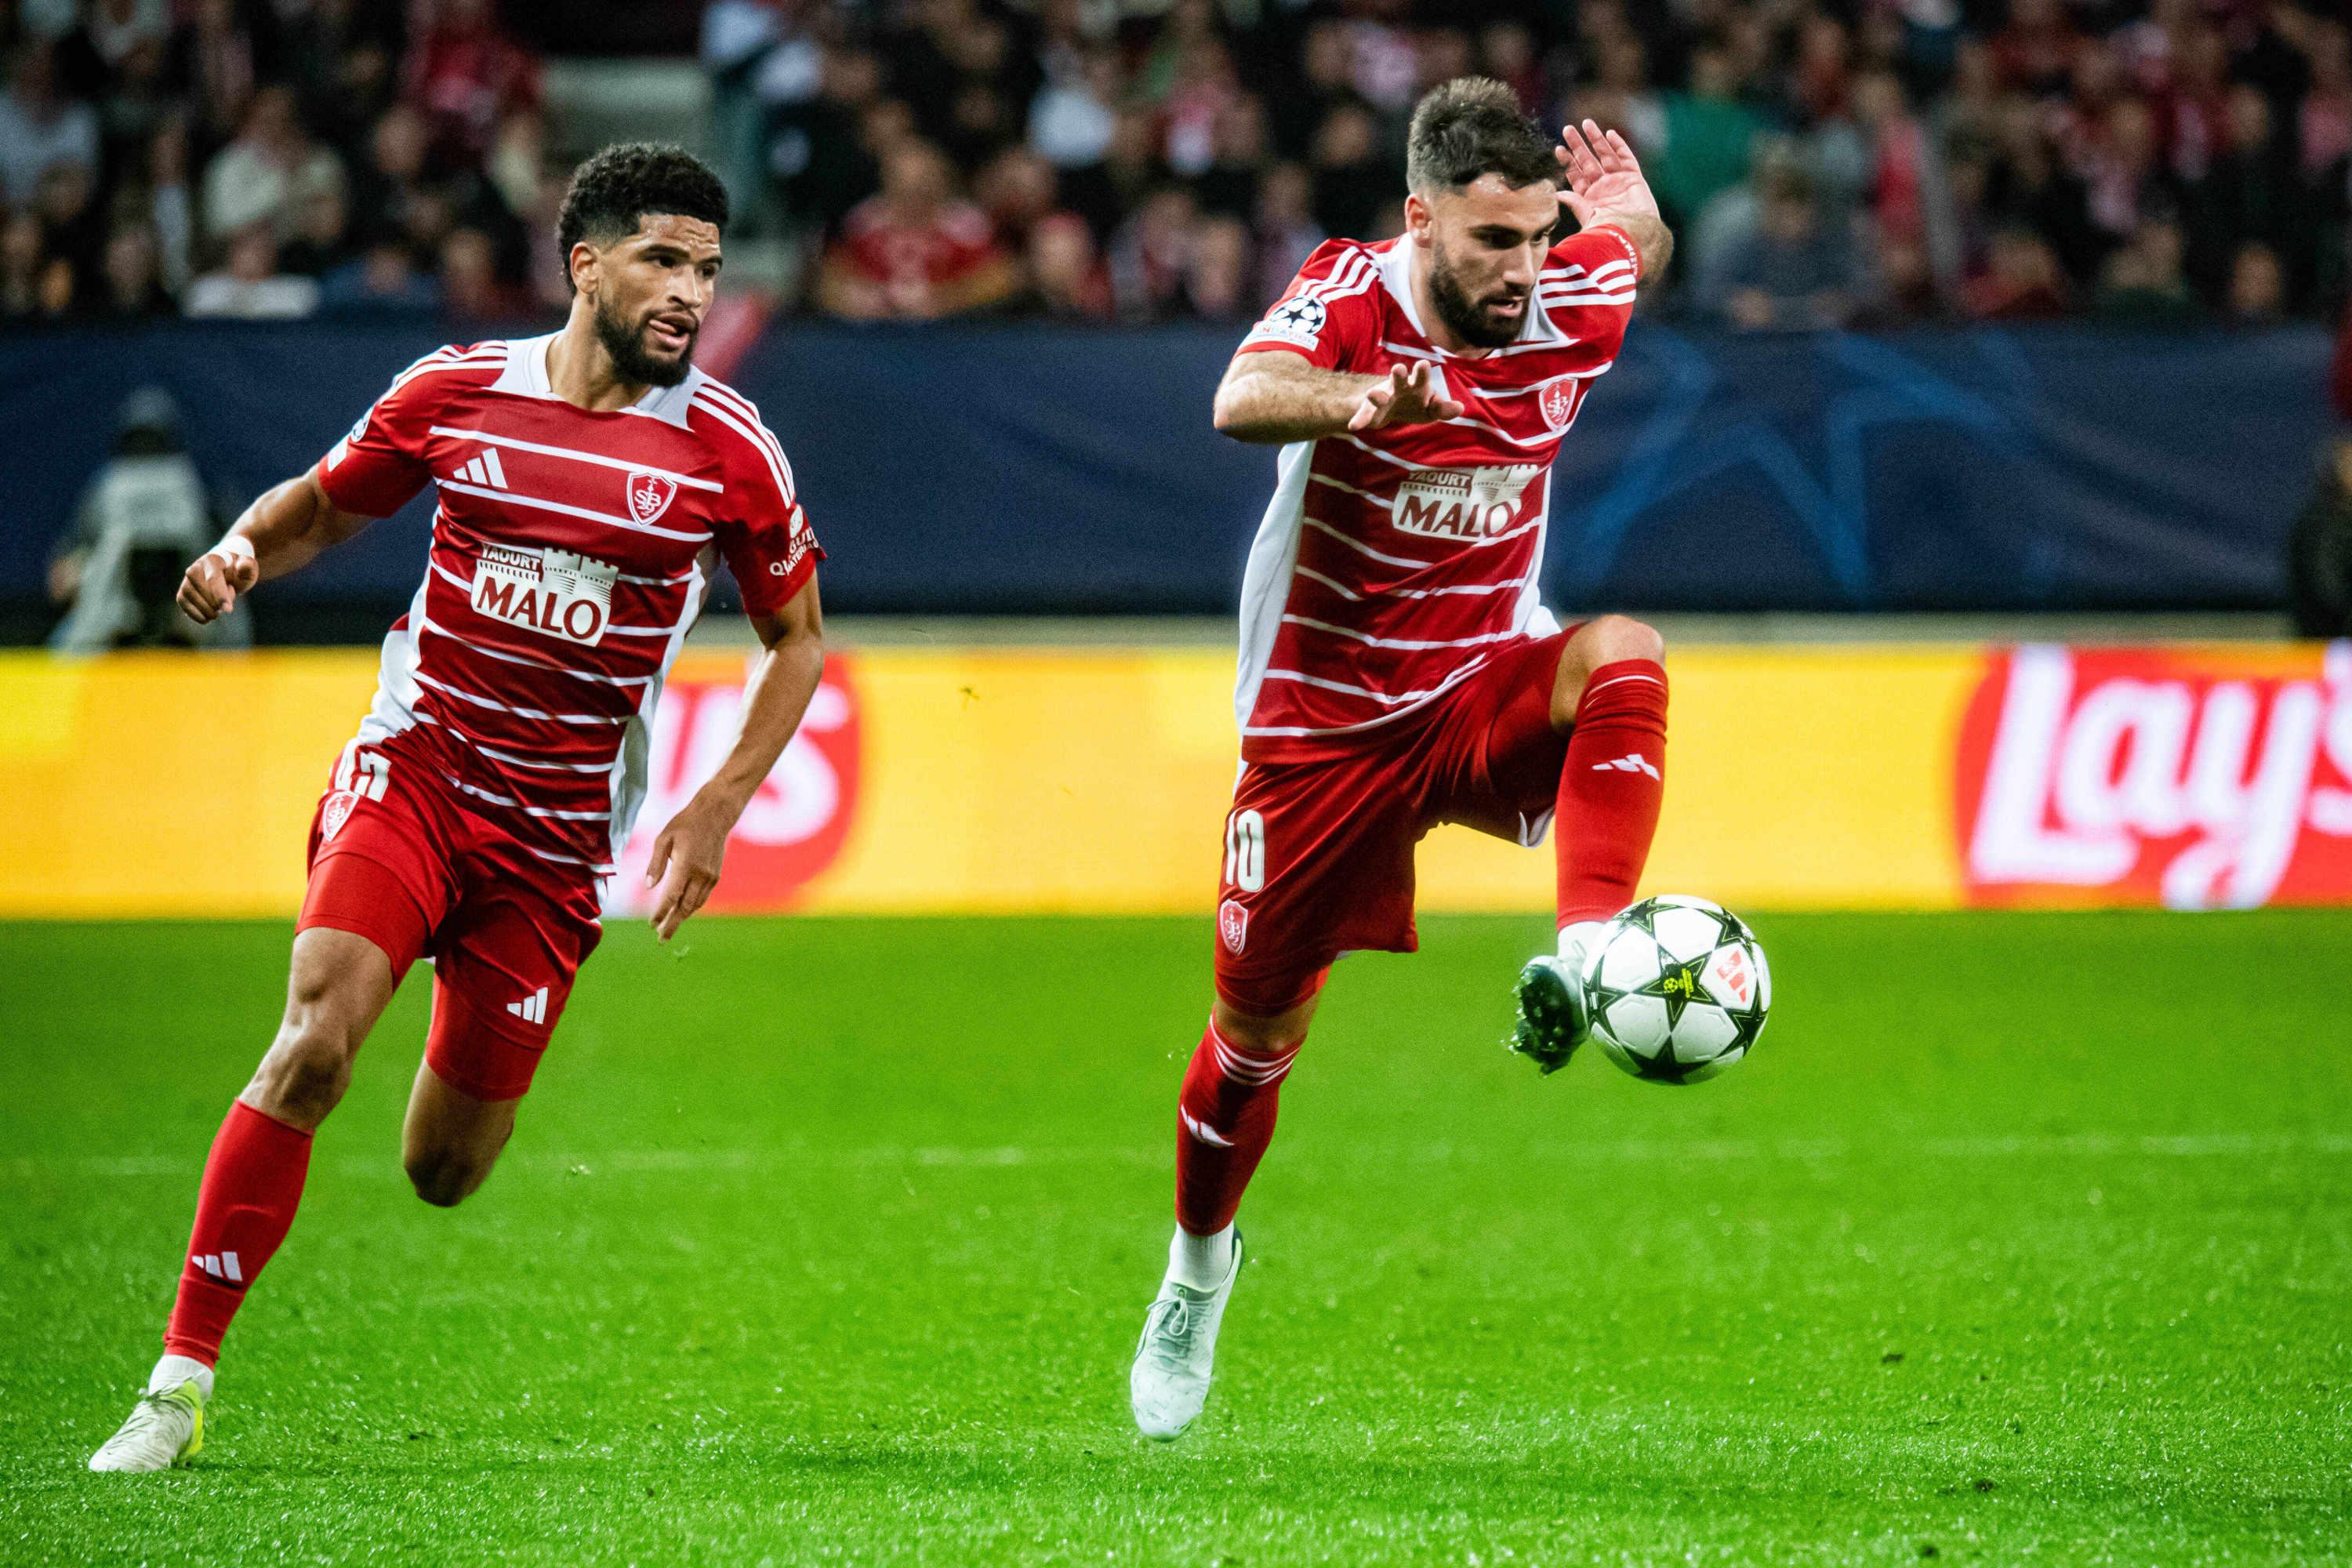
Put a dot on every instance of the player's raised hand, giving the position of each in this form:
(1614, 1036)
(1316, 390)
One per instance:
(212, 582)
(1604, 175)
(1406, 398)
(690, 851)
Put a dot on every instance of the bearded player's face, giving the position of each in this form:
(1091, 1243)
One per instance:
(650, 292)
(1483, 246)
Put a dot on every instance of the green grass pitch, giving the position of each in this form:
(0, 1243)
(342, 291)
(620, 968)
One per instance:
(2020, 1239)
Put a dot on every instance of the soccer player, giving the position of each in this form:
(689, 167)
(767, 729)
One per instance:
(589, 481)
(1398, 668)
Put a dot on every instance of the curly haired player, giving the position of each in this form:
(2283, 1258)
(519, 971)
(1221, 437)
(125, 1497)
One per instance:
(1398, 667)
(589, 481)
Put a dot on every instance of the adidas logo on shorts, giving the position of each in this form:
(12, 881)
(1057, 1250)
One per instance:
(532, 1009)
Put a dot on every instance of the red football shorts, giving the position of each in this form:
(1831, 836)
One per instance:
(394, 858)
(1318, 854)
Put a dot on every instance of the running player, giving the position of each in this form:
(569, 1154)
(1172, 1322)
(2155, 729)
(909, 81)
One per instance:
(1398, 667)
(588, 479)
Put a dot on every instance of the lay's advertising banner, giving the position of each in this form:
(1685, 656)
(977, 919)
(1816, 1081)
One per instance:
(1085, 781)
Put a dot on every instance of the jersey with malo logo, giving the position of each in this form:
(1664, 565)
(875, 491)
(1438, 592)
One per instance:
(571, 552)
(1394, 563)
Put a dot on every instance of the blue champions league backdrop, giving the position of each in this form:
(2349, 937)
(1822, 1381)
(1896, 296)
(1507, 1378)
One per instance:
(1010, 468)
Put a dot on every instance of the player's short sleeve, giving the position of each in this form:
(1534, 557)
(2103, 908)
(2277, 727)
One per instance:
(376, 469)
(1330, 313)
(765, 538)
(1588, 282)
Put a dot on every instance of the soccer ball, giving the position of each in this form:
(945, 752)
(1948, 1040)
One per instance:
(1679, 989)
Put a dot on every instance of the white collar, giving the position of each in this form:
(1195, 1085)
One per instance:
(1396, 272)
(525, 376)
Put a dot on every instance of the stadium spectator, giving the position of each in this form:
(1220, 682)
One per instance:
(1216, 284)
(272, 169)
(1797, 267)
(73, 232)
(2257, 293)
(1706, 132)
(1150, 254)
(216, 60)
(169, 207)
(40, 128)
(1354, 179)
(249, 284)
(915, 250)
(470, 288)
(1017, 191)
(822, 147)
(1286, 231)
(382, 276)
(2144, 282)
(32, 283)
(135, 275)
(2021, 281)
(1065, 282)
(1072, 118)
(466, 75)
(1938, 137)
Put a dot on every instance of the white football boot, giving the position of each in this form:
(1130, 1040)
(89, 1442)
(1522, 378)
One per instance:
(1554, 1018)
(165, 1426)
(1170, 1380)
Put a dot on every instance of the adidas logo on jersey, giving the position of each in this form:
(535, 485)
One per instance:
(1631, 762)
(483, 469)
(532, 1009)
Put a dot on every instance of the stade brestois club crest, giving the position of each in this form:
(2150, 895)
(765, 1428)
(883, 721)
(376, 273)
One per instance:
(650, 495)
(1557, 401)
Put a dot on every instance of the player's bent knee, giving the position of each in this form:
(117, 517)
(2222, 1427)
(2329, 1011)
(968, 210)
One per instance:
(445, 1178)
(1618, 637)
(308, 1069)
(1260, 1034)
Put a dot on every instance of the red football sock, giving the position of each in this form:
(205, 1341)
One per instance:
(253, 1182)
(1224, 1120)
(1611, 788)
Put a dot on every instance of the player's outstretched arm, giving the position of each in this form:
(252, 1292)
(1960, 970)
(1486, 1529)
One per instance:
(283, 530)
(1605, 185)
(1277, 397)
(687, 856)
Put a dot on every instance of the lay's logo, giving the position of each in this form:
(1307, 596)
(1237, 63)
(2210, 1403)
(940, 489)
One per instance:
(2193, 778)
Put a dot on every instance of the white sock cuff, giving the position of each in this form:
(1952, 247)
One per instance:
(1201, 1262)
(1246, 1068)
(174, 1370)
(1576, 939)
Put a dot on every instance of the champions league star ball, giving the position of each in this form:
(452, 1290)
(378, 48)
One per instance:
(1679, 989)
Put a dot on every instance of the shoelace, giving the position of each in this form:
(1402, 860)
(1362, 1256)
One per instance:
(1170, 1320)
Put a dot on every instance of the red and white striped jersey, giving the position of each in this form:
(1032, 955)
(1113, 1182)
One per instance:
(571, 551)
(1392, 565)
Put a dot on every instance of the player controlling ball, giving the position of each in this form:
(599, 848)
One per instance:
(1398, 668)
(588, 479)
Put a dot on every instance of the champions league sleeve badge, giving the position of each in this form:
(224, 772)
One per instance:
(1297, 320)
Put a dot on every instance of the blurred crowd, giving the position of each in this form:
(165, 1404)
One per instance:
(271, 158)
(1825, 162)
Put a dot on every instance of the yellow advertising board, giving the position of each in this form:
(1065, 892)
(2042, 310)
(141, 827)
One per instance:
(1082, 780)
(964, 779)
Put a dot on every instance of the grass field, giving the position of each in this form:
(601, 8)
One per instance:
(2020, 1239)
